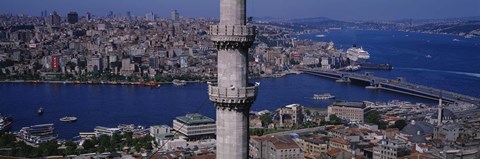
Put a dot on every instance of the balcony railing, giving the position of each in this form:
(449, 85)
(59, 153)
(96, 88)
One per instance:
(232, 30)
(232, 94)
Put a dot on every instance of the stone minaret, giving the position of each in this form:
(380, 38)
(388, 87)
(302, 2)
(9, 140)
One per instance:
(232, 95)
(439, 111)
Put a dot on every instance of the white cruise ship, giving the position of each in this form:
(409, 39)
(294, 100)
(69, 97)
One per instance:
(357, 55)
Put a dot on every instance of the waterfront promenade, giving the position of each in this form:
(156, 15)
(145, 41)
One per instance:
(396, 85)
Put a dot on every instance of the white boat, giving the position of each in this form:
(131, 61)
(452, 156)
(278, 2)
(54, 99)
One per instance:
(179, 82)
(456, 40)
(352, 68)
(323, 96)
(428, 56)
(40, 111)
(468, 36)
(320, 36)
(68, 119)
(357, 55)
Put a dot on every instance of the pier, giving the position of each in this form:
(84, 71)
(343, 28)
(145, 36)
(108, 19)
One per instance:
(396, 85)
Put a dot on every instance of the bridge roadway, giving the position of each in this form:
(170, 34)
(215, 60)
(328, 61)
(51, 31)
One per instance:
(399, 85)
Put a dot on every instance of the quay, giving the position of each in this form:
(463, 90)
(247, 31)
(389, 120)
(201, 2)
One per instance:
(376, 66)
(396, 85)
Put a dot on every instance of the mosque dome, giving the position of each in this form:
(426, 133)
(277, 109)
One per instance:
(412, 129)
(417, 138)
(446, 115)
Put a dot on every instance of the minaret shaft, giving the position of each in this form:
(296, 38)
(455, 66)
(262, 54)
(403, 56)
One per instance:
(233, 12)
(232, 95)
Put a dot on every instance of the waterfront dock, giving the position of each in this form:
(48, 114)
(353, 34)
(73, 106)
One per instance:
(396, 85)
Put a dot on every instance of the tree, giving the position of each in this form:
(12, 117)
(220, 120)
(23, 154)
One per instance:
(88, 145)
(308, 112)
(49, 148)
(334, 119)
(400, 124)
(372, 117)
(375, 118)
(115, 141)
(266, 119)
(71, 65)
(137, 148)
(71, 147)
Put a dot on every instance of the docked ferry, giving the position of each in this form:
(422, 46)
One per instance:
(179, 82)
(37, 134)
(357, 55)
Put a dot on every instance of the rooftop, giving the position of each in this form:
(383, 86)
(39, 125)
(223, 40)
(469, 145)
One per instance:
(280, 142)
(339, 140)
(349, 104)
(195, 118)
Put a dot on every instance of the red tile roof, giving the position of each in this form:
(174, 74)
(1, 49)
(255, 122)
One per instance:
(334, 151)
(339, 140)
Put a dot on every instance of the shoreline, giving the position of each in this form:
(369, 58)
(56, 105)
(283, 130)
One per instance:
(137, 83)
(404, 31)
(92, 82)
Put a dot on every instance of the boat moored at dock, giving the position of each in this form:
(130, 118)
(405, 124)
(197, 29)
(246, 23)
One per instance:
(179, 82)
(37, 134)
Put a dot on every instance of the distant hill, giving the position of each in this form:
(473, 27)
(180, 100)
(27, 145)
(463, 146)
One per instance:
(313, 20)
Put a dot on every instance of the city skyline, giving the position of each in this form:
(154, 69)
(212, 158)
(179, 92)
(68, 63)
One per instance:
(340, 10)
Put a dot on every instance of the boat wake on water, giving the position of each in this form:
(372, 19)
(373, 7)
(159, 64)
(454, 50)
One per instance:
(442, 71)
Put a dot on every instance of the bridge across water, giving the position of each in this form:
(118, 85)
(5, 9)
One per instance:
(396, 85)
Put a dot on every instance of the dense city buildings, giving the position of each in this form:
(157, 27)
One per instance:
(53, 20)
(146, 50)
(273, 147)
(390, 149)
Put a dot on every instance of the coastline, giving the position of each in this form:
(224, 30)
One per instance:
(146, 83)
(91, 82)
(404, 31)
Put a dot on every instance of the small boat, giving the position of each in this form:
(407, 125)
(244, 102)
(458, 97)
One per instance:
(68, 119)
(40, 111)
(428, 56)
(323, 96)
(150, 84)
(320, 36)
(456, 40)
(179, 82)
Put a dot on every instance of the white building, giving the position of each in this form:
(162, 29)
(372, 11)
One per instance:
(150, 16)
(100, 130)
(195, 126)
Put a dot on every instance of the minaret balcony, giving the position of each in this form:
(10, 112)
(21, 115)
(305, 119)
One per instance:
(232, 94)
(237, 33)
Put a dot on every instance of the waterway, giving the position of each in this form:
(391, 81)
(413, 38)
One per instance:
(427, 59)
(453, 66)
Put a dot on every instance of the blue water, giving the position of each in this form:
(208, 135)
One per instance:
(453, 66)
(108, 105)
